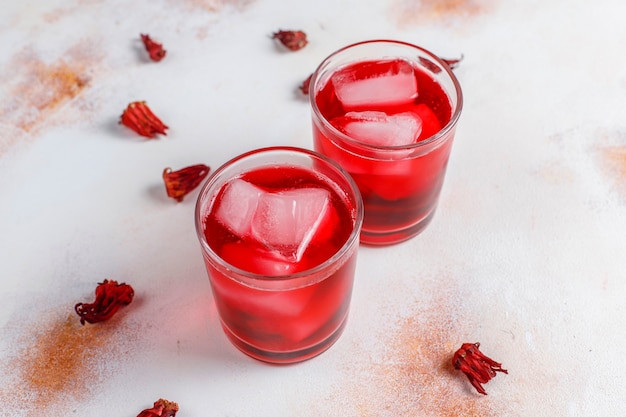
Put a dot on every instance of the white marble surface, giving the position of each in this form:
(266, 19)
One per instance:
(527, 253)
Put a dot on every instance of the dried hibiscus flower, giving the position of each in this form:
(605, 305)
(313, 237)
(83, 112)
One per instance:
(109, 297)
(478, 368)
(431, 66)
(161, 408)
(140, 118)
(304, 87)
(180, 183)
(292, 39)
(453, 63)
(155, 50)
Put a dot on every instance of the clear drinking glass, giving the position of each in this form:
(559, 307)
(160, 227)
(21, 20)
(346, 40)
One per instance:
(279, 231)
(387, 111)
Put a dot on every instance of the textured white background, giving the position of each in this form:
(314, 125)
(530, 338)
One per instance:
(526, 254)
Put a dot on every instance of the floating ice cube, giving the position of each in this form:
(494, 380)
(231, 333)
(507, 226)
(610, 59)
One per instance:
(430, 122)
(376, 84)
(238, 205)
(257, 259)
(286, 221)
(378, 128)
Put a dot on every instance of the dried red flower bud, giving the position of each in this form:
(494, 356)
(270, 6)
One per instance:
(180, 183)
(140, 118)
(304, 87)
(453, 63)
(161, 408)
(155, 50)
(109, 297)
(431, 66)
(478, 368)
(292, 39)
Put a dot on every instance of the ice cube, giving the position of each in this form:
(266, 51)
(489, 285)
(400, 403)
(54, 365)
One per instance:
(286, 221)
(237, 207)
(379, 129)
(376, 84)
(430, 122)
(257, 259)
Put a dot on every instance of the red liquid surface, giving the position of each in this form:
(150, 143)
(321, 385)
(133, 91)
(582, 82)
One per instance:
(283, 325)
(400, 188)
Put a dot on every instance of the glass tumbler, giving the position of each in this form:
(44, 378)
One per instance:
(279, 231)
(387, 112)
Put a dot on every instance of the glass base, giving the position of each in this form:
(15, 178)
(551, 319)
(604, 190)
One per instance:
(378, 238)
(285, 357)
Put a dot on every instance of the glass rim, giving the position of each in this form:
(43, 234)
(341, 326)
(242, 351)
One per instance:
(354, 236)
(456, 114)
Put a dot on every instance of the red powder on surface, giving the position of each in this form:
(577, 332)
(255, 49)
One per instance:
(413, 375)
(614, 165)
(60, 364)
(608, 150)
(217, 5)
(55, 15)
(35, 90)
(417, 373)
(408, 12)
(46, 87)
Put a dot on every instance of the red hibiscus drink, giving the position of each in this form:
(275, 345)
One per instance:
(386, 111)
(279, 230)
